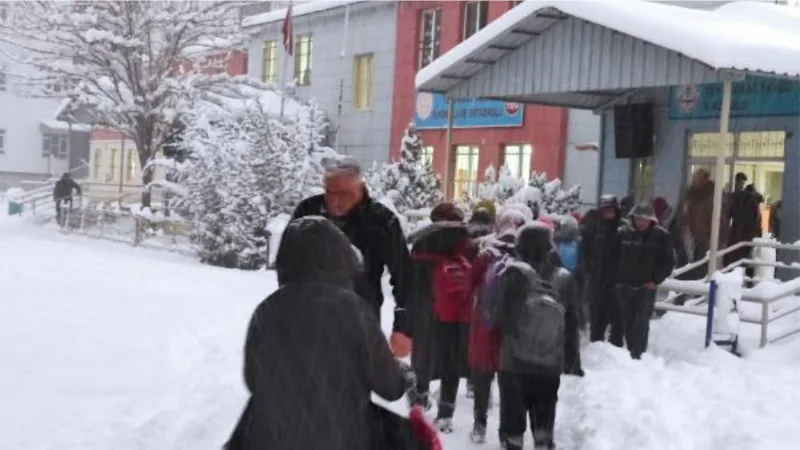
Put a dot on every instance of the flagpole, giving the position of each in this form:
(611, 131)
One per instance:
(288, 42)
(342, 56)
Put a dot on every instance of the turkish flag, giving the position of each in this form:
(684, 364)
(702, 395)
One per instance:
(288, 31)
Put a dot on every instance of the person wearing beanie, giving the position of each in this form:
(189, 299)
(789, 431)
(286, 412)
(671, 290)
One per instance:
(644, 259)
(597, 264)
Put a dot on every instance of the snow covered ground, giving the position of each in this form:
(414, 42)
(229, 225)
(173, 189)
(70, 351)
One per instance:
(103, 346)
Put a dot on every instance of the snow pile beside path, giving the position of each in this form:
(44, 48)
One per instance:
(679, 399)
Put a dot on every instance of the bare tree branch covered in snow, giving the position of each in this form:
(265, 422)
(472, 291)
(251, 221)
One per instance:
(121, 61)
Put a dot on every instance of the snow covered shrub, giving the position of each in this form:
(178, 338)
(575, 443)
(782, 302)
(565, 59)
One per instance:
(499, 187)
(244, 169)
(412, 181)
(554, 199)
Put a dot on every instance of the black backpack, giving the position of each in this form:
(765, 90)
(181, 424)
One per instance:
(537, 338)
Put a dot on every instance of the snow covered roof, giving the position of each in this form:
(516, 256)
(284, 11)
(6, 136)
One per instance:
(55, 125)
(297, 10)
(738, 36)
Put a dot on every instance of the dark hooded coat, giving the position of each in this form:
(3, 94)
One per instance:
(376, 232)
(440, 238)
(643, 256)
(534, 248)
(314, 351)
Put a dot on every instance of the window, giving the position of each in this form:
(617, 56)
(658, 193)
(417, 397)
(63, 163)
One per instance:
(302, 60)
(474, 17)
(269, 63)
(2, 142)
(54, 145)
(97, 156)
(466, 174)
(112, 165)
(517, 157)
(130, 165)
(362, 85)
(426, 155)
(429, 34)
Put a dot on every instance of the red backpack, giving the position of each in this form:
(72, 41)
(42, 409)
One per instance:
(451, 285)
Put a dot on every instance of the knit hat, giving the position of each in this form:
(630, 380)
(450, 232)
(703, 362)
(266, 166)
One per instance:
(447, 212)
(510, 219)
(660, 206)
(643, 211)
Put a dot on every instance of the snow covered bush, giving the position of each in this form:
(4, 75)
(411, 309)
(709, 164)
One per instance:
(499, 187)
(410, 182)
(244, 169)
(540, 195)
(554, 199)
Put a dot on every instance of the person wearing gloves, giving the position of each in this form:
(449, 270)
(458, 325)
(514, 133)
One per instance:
(315, 351)
(644, 258)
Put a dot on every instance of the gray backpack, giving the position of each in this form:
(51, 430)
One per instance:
(538, 339)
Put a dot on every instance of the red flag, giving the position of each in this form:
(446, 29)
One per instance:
(288, 31)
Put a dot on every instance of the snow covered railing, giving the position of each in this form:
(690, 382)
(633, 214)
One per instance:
(767, 293)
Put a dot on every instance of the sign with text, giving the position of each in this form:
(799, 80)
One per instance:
(753, 97)
(430, 112)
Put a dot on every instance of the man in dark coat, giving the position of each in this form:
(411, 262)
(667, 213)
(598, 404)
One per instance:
(644, 259)
(315, 352)
(372, 228)
(597, 267)
(63, 191)
(744, 216)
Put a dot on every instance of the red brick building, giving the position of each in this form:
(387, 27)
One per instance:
(484, 133)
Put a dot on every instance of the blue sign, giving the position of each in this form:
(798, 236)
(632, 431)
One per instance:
(430, 111)
(753, 97)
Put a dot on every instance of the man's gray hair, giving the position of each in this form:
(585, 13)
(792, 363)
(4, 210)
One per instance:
(343, 165)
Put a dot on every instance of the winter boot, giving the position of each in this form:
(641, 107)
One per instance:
(478, 435)
(444, 425)
(513, 443)
(421, 399)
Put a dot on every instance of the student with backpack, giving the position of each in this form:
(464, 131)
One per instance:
(484, 337)
(440, 302)
(537, 313)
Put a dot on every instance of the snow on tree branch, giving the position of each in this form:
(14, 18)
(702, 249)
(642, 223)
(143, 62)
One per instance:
(120, 61)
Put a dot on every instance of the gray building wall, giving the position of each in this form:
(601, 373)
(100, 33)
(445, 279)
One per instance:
(372, 29)
(581, 167)
(79, 154)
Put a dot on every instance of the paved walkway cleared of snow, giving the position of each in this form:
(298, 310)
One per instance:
(103, 346)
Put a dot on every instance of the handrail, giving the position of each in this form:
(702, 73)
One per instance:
(700, 288)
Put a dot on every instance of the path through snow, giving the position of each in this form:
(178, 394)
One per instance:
(107, 347)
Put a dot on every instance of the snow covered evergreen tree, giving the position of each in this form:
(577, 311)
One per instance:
(498, 188)
(245, 168)
(410, 182)
(554, 199)
(120, 61)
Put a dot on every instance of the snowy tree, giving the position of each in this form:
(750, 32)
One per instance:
(410, 182)
(554, 199)
(499, 188)
(245, 168)
(120, 61)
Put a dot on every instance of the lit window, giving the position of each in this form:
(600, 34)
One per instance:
(429, 36)
(97, 160)
(362, 85)
(269, 63)
(466, 174)
(474, 17)
(302, 60)
(517, 158)
(426, 155)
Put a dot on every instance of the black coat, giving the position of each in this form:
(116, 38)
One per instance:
(643, 257)
(376, 232)
(597, 242)
(64, 188)
(314, 352)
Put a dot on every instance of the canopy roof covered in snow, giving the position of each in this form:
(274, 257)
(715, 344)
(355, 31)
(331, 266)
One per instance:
(583, 53)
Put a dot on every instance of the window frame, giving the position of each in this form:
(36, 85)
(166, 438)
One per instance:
(302, 77)
(359, 83)
(269, 61)
(474, 154)
(435, 39)
(96, 154)
(520, 153)
(130, 164)
(426, 154)
(481, 18)
(55, 145)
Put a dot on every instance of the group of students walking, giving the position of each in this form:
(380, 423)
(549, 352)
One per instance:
(500, 297)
